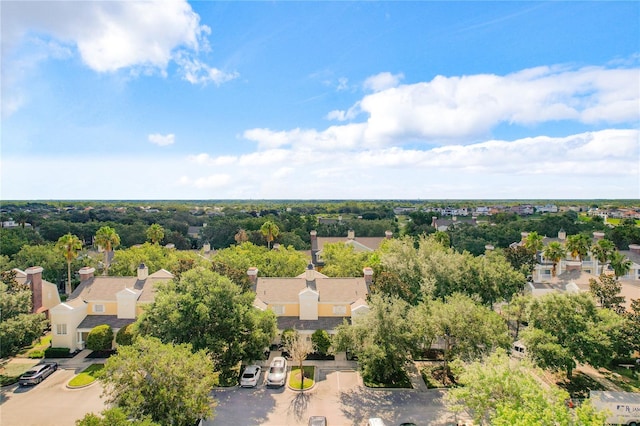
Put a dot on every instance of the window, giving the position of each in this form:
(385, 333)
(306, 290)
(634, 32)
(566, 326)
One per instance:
(61, 328)
(98, 308)
(278, 309)
(339, 310)
(546, 271)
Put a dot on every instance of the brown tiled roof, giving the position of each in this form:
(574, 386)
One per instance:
(331, 290)
(105, 288)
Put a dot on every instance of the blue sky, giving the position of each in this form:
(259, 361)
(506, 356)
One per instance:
(320, 100)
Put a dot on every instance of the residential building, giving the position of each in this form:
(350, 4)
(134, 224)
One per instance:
(312, 301)
(44, 295)
(115, 301)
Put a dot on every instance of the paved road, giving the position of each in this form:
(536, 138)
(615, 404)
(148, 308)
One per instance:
(50, 403)
(338, 395)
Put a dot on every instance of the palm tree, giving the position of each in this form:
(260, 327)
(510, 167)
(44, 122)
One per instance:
(555, 252)
(108, 239)
(270, 231)
(533, 242)
(155, 233)
(620, 264)
(602, 251)
(69, 245)
(578, 246)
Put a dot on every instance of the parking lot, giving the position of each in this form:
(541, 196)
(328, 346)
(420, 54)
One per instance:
(50, 403)
(337, 395)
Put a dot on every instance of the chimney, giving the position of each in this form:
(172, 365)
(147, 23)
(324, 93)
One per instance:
(143, 272)
(489, 247)
(368, 276)
(86, 273)
(206, 247)
(434, 222)
(252, 273)
(598, 235)
(34, 278)
(351, 234)
(634, 248)
(314, 240)
(562, 235)
(523, 236)
(309, 273)
(388, 234)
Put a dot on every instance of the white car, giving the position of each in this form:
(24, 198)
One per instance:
(277, 372)
(250, 376)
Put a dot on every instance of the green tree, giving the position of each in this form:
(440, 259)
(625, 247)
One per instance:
(285, 262)
(502, 393)
(46, 256)
(298, 348)
(165, 382)
(620, 264)
(606, 290)
(602, 251)
(568, 328)
(113, 417)
(521, 259)
(533, 242)
(18, 326)
(381, 339)
(467, 329)
(155, 233)
(69, 245)
(321, 341)
(516, 311)
(108, 239)
(210, 312)
(388, 284)
(495, 279)
(100, 338)
(555, 252)
(125, 335)
(578, 246)
(270, 231)
(342, 260)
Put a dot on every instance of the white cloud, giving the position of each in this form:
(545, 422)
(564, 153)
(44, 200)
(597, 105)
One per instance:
(162, 140)
(143, 37)
(602, 164)
(382, 81)
(458, 110)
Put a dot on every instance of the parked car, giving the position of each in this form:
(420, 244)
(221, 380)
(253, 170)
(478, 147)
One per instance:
(277, 372)
(250, 376)
(38, 373)
(317, 421)
(375, 421)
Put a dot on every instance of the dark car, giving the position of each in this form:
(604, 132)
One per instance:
(38, 373)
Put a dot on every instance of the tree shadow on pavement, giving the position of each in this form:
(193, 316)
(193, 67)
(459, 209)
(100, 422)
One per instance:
(299, 404)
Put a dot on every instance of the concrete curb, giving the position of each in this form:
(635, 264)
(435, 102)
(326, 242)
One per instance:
(315, 380)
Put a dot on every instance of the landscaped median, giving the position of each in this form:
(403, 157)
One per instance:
(87, 376)
(295, 378)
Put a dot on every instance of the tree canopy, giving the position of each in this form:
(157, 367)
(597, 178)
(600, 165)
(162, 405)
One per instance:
(210, 312)
(167, 383)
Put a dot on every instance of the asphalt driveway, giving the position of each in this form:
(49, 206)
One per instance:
(50, 403)
(337, 395)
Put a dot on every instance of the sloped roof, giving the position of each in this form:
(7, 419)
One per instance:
(331, 290)
(322, 323)
(105, 288)
(91, 321)
(359, 244)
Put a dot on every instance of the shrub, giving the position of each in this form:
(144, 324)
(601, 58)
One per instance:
(321, 341)
(36, 354)
(125, 335)
(286, 336)
(100, 338)
(56, 353)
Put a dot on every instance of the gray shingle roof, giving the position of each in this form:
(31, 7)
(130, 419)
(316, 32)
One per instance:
(113, 321)
(332, 290)
(105, 288)
(322, 323)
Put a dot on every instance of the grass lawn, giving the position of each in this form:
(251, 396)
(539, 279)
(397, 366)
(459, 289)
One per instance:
(625, 378)
(295, 378)
(39, 346)
(11, 371)
(87, 376)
